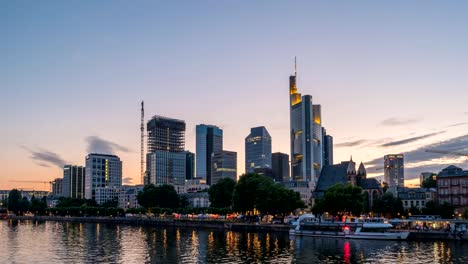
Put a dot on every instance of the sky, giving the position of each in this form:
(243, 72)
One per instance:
(391, 77)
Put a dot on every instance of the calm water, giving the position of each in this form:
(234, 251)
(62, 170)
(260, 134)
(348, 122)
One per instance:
(50, 242)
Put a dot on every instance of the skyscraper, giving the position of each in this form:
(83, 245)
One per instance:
(306, 136)
(327, 148)
(208, 142)
(189, 165)
(57, 186)
(166, 158)
(73, 183)
(224, 165)
(394, 170)
(257, 149)
(103, 177)
(280, 166)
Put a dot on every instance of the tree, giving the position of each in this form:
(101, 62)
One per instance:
(247, 192)
(430, 209)
(163, 196)
(38, 206)
(341, 199)
(465, 214)
(277, 200)
(446, 210)
(388, 206)
(429, 183)
(147, 198)
(221, 193)
(14, 201)
(111, 204)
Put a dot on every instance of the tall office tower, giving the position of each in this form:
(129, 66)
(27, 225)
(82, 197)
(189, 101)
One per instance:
(209, 141)
(189, 165)
(327, 148)
(394, 170)
(166, 157)
(306, 136)
(103, 177)
(224, 165)
(257, 149)
(57, 186)
(280, 166)
(73, 184)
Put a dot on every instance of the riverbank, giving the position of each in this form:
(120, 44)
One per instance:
(162, 222)
(218, 224)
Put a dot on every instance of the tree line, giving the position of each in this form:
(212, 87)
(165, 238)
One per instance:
(340, 200)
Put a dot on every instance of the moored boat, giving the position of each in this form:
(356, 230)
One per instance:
(378, 230)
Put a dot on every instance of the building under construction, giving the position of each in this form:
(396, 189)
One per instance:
(166, 157)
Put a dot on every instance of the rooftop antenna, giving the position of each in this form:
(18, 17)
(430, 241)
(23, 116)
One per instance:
(142, 128)
(295, 67)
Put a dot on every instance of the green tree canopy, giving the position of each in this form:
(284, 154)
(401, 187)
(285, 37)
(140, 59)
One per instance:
(248, 190)
(14, 201)
(340, 199)
(388, 206)
(221, 193)
(163, 196)
(38, 206)
(429, 183)
(254, 191)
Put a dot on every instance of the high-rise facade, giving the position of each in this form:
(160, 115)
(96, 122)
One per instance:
(73, 184)
(280, 166)
(209, 140)
(103, 177)
(166, 158)
(189, 165)
(57, 186)
(394, 170)
(327, 148)
(257, 150)
(224, 164)
(306, 136)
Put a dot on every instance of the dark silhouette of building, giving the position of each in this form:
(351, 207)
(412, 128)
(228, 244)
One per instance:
(280, 166)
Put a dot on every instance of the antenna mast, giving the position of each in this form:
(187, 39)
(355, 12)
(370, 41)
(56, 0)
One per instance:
(295, 67)
(142, 128)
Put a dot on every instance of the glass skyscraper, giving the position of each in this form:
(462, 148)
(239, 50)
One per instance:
(209, 141)
(306, 136)
(73, 183)
(166, 158)
(257, 149)
(103, 177)
(224, 166)
(394, 170)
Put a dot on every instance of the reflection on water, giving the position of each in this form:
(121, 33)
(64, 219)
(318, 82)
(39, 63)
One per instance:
(53, 242)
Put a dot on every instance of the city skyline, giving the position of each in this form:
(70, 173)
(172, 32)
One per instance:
(383, 87)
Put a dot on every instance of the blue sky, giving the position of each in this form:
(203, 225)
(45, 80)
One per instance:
(71, 70)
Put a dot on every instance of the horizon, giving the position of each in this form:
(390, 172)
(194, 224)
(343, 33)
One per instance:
(390, 77)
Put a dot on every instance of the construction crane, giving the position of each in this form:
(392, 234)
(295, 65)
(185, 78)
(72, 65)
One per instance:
(44, 182)
(447, 152)
(142, 129)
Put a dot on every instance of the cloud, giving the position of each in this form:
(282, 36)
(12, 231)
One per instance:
(127, 180)
(418, 160)
(350, 143)
(398, 121)
(102, 146)
(458, 124)
(409, 140)
(45, 158)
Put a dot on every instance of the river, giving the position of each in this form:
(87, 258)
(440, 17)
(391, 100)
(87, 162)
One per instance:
(58, 242)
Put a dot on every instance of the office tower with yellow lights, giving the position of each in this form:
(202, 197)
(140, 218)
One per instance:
(306, 136)
(103, 177)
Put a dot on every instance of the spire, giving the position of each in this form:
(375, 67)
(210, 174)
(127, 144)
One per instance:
(295, 66)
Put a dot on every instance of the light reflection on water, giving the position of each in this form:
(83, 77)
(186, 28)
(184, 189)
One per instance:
(53, 242)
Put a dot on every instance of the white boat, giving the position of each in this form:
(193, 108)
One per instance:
(378, 230)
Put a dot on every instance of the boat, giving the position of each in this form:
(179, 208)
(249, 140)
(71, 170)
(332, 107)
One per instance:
(375, 229)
